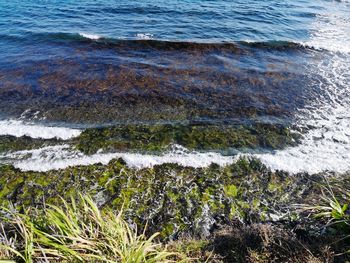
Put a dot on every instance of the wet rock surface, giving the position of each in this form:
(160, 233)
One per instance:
(175, 200)
(12, 143)
(192, 136)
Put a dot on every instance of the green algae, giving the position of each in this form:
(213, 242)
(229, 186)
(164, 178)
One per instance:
(169, 198)
(12, 143)
(158, 137)
(231, 190)
(200, 137)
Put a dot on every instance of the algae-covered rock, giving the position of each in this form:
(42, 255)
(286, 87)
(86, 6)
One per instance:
(197, 136)
(12, 143)
(169, 198)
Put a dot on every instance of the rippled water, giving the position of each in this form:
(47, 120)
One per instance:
(237, 62)
(172, 20)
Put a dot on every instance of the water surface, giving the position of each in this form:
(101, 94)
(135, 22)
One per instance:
(64, 63)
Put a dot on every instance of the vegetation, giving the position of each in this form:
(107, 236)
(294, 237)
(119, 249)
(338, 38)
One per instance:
(333, 211)
(242, 212)
(12, 143)
(200, 137)
(158, 137)
(174, 200)
(76, 232)
(331, 208)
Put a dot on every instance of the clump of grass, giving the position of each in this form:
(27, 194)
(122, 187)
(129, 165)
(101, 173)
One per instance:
(331, 208)
(75, 232)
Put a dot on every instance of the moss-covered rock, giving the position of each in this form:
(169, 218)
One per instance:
(200, 137)
(12, 143)
(170, 198)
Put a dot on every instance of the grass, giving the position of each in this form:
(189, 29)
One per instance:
(76, 232)
(333, 209)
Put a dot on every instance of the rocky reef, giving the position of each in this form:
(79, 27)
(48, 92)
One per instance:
(202, 204)
(198, 136)
(12, 143)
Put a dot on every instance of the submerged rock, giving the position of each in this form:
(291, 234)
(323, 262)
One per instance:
(157, 137)
(12, 143)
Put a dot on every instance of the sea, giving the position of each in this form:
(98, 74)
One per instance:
(66, 66)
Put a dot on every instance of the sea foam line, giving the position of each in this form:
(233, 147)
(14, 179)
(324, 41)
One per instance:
(326, 145)
(90, 36)
(144, 36)
(62, 156)
(20, 128)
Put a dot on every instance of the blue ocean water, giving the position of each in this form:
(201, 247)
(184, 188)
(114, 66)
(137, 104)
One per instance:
(222, 20)
(28, 28)
(97, 62)
(46, 32)
(191, 20)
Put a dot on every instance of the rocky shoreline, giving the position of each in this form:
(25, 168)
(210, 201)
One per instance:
(216, 208)
(157, 137)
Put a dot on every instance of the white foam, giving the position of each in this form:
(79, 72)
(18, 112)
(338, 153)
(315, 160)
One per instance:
(144, 36)
(90, 36)
(331, 29)
(20, 128)
(326, 146)
(62, 156)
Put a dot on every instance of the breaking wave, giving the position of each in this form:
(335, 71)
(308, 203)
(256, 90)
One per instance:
(147, 40)
(90, 36)
(20, 128)
(145, 36)
(62, 156)
(326, 144)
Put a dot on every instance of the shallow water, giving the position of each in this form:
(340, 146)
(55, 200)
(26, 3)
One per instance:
(104, 63)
